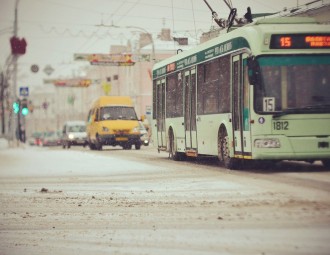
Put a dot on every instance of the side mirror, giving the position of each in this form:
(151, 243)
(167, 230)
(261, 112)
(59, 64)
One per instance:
(253, 70)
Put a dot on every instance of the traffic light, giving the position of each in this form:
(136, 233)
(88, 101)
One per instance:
(16, 107)
(24, 107)
(18, 46)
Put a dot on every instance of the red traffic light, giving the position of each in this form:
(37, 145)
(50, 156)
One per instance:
(18, 46)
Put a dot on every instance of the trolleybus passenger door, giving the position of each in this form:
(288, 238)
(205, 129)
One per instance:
(240, 106)
(160, 105)
(190, 109)
(246, 120)
(236, 106)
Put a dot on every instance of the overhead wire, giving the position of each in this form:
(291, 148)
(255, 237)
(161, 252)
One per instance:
(173, 20)
(193, 13)
(129, 10)
(116, 10)
(93, 37)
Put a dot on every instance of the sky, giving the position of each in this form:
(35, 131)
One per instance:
(56, 29)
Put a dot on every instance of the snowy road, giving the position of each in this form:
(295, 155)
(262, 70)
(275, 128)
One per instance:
(77, 201)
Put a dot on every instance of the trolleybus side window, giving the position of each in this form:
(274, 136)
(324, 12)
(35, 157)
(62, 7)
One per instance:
(213, 86)
(200, 82)
(174, 96)
(170, 96)
(161, 106)
(224, 85)
(208, 87)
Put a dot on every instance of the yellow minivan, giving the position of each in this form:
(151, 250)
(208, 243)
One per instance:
(112, 121)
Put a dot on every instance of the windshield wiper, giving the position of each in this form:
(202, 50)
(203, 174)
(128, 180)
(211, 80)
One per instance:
(285, 112)
(317, 107)
(305, 109)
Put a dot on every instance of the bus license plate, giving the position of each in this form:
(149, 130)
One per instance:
(121, 138)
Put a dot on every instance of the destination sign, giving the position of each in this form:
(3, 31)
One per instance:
(300, 41)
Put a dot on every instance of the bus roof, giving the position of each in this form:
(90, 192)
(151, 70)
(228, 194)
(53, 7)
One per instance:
(251, 36)
(286, 20)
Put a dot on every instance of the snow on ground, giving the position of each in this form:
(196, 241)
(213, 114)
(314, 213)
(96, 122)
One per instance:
(40, 162)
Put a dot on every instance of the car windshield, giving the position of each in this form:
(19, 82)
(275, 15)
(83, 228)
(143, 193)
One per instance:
(78, 128)
(295, 84)
(118, 112)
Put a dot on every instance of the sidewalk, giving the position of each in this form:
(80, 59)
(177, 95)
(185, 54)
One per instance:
(3, 143)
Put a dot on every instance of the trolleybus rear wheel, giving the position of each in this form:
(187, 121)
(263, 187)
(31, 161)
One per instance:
(224, 152)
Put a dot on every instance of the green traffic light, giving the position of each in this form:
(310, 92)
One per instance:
(16, 107)
(25, 111)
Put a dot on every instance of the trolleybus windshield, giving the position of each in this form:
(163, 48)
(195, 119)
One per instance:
(293, 84)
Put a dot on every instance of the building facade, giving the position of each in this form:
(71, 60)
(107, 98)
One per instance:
(53, 105)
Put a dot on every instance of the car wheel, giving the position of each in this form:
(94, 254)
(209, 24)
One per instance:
(98, 144)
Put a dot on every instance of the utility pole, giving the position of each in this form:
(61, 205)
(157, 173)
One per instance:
(14, 117)
(2, 98)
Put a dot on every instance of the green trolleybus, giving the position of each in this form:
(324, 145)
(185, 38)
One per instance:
(259, 92)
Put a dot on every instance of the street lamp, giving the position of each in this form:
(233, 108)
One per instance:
(153, 56)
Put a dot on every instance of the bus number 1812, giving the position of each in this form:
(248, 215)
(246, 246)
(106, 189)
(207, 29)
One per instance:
(281, 125)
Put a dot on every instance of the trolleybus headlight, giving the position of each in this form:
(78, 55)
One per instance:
(267, 143)
(105, 129)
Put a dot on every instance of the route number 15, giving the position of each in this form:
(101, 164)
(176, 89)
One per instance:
(269, 104)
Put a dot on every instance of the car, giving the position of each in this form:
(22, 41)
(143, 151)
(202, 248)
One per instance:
(144, 134)
(34, 139)
(112, 120)
(51, 139)
(74, 133)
